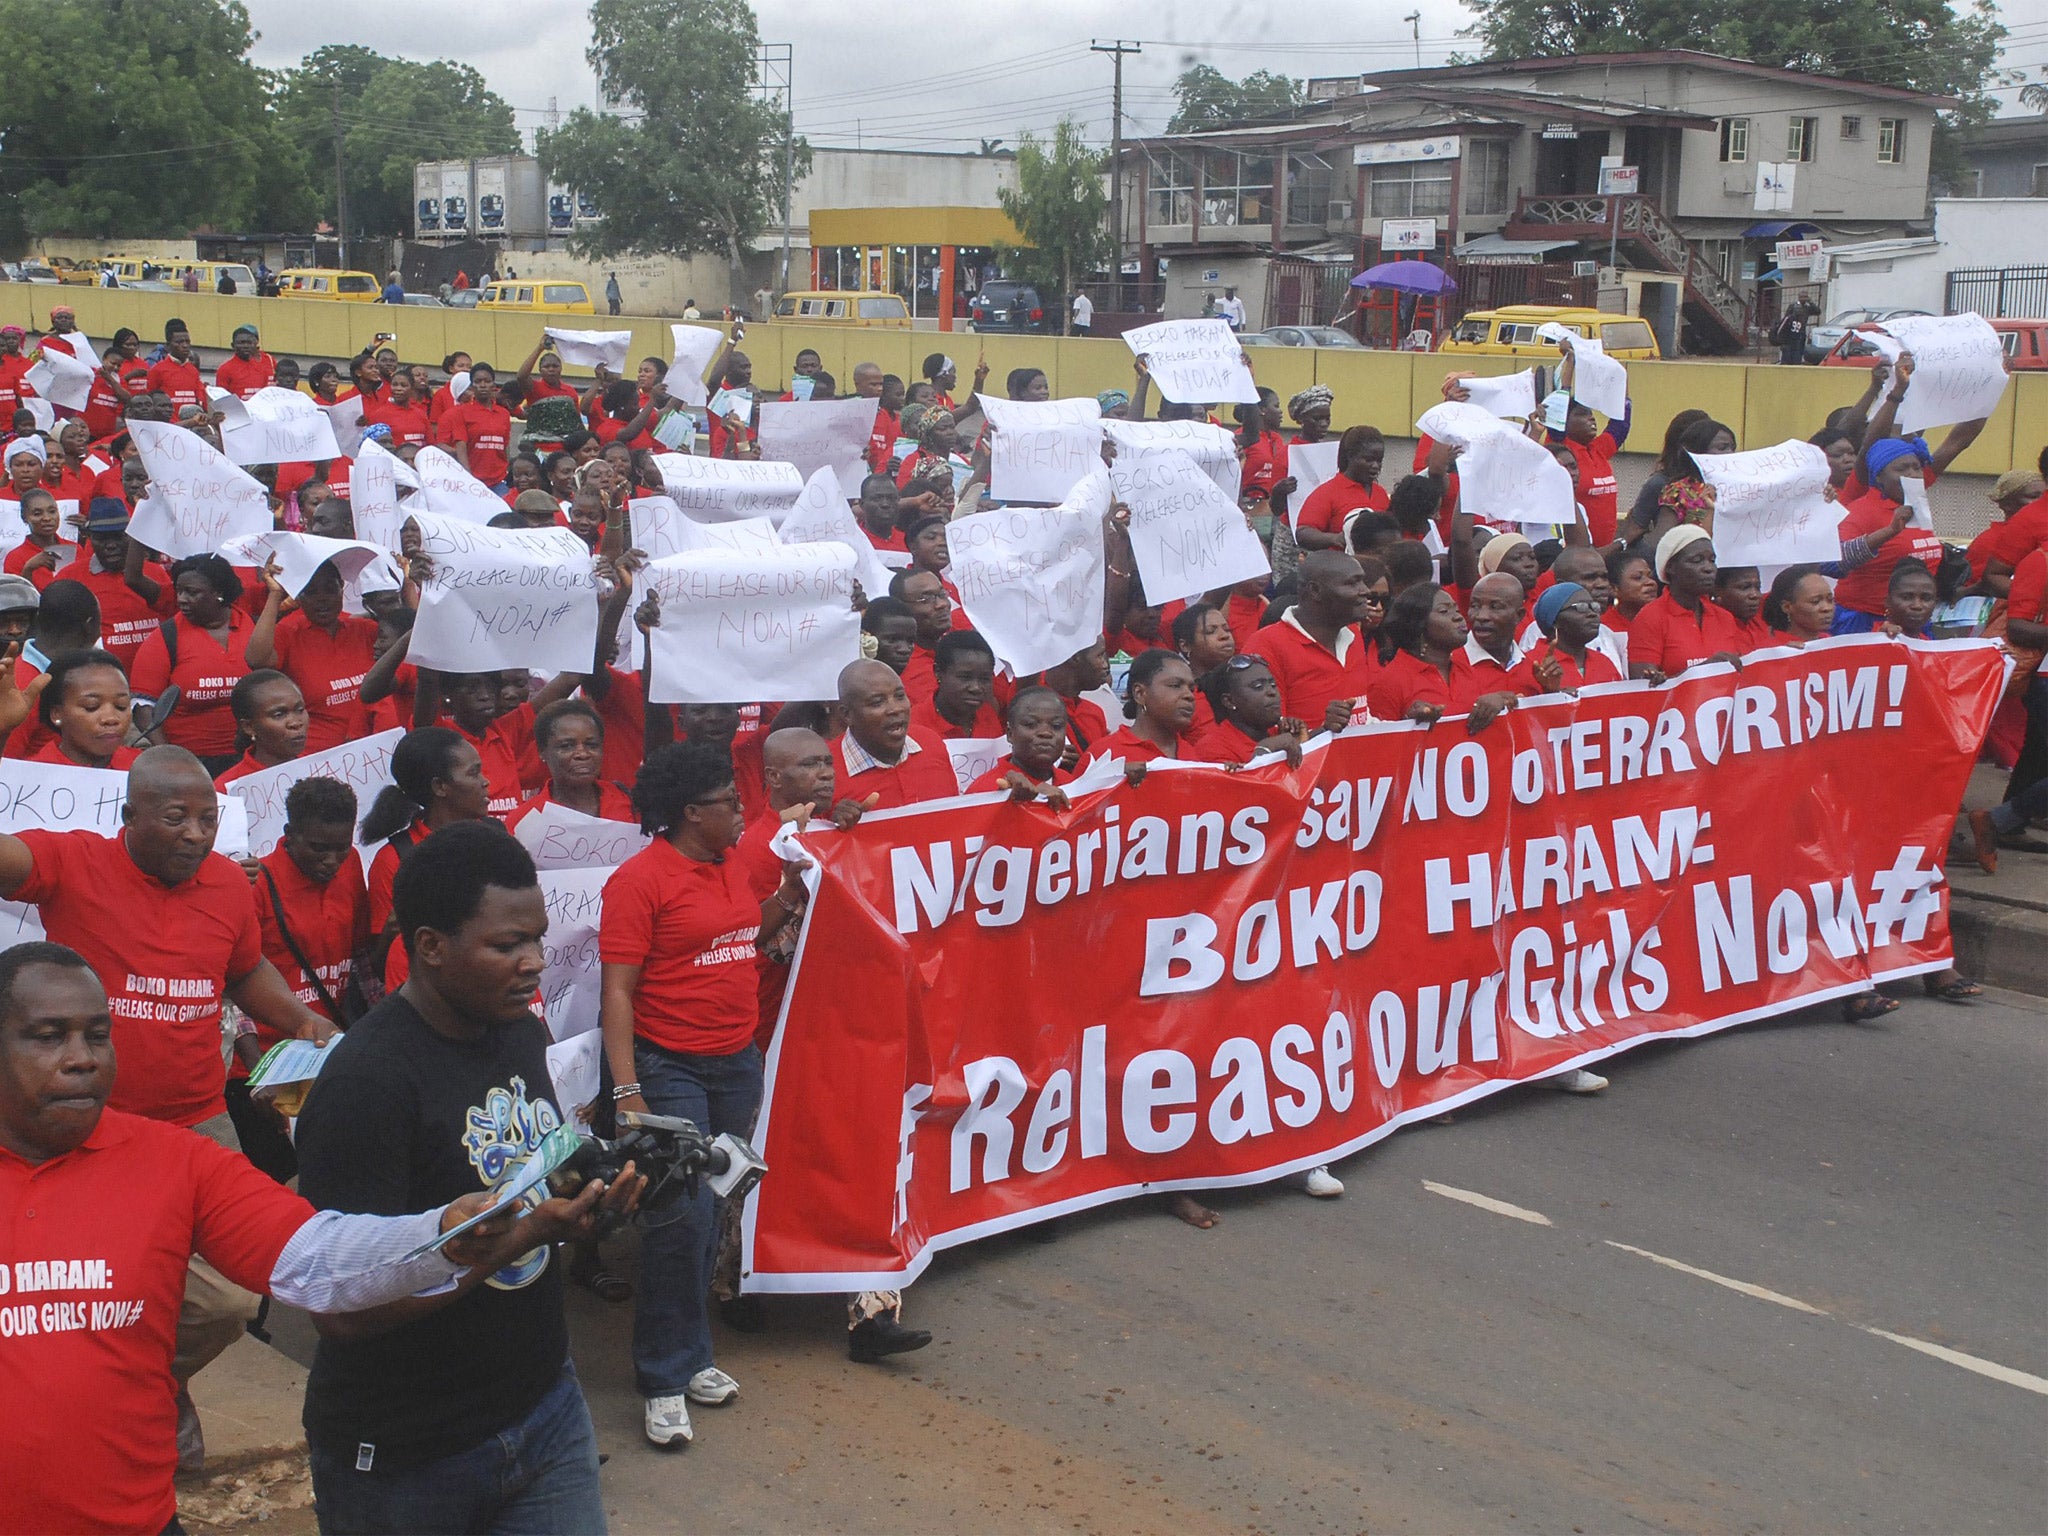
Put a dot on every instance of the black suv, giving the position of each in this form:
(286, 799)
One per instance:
(1004, 305)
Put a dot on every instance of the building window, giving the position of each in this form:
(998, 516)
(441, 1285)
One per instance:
(1414, 190)
(1170, 191)
(1891, 141)
(1734, 138)
(2040, 184)
(1852, 127)
(1236, 189)
(1486, 176)
(1800, 135)
(1309, 181)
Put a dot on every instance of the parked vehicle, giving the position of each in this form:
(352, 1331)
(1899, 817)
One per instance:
(328, 283)
(1821, 339)
(1510, 331)
(1003, 305)
(2025, 343)
(844, 307)
(85, 274)
(542, 294)
(1302, 336)
(36, 272)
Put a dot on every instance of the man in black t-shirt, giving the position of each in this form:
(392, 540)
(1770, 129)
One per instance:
(457, 1410)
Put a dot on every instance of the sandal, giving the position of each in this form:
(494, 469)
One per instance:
(1958, 988)
(1865, 1006)
(601, 1282)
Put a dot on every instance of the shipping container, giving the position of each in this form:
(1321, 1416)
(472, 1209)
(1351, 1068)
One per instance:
(525, 215)
(561, 209)
(455, 197)
(490, 197)
(426, 196)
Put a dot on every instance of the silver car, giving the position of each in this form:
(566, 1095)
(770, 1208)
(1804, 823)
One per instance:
(1304, 336)
(1821, 339)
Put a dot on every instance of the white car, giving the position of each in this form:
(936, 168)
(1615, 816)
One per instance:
(1821, 339)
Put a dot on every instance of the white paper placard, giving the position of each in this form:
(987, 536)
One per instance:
(695, 346)
(1312, 465)
(820, 434)
(1511, 395)
(589, 349)
(1194, 362)
(374, 484)
(740, 627)
(1041, 449)
(60, 379)
(503, 597)
(1504, 477)
(660, 528)
(346, 419)
(722, 490)
(1598, 380)
(1914, 489)
(570, 970)
(573, 1063)
(1458, 423)
(299, 555)
(1211, 447)
(449, 490)
(974, 756)
(1187, 535)
(1958, 369)
(560, 837)
(364, 766)
(822, 515)
(1031, 578)
(274, 426)
(1770, 506)
(197, 499)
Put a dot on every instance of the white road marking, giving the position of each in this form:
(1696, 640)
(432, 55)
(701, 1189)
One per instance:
(1488, 1203)
(1742, 1286)
(1995, 1371)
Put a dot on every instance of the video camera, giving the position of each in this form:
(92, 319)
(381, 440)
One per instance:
(672, 1154)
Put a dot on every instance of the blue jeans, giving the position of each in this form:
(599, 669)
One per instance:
(538, 1475)
(671, 1317)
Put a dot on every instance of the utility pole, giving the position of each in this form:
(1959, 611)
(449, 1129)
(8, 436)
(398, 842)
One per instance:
(1116, 51)
(774, 77)
(1414, 20)
(340, 187)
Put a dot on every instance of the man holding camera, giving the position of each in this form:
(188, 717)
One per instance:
(461, 1410)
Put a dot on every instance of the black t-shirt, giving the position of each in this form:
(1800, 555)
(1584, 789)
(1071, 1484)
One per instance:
(404, 1119)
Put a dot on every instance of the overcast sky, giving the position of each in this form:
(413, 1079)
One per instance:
(906, 77)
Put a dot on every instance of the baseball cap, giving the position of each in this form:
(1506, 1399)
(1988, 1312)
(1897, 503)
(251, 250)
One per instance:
(17, 592)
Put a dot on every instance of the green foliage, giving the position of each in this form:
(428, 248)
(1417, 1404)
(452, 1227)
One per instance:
(1208, 98)
(695, 160)
(138, 117)
(394, 112)
(1060, 207)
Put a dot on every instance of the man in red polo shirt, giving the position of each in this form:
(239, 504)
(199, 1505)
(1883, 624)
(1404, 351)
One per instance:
(881, 754)
(924, 594)
(176, 377)
(105, 1211)
(479, 430)
(13, 373)
(249, 369)
(1318, 655)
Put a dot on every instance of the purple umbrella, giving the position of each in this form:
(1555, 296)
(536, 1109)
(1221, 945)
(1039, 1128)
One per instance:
(1407, 277)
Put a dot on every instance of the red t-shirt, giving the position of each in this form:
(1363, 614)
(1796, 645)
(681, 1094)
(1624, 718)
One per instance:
(2028, 598)
(623, 709)
(163, 952)
(393, 712)
(329, 921)
(1086, 723)
(103, 407)
(985, 725)
(882, 441)
(1222, 742)
(993, 779)
(920, 676)
(180, 381)
(1599, 669)
(14, 387)
(2026, 529)
(98, 1240)
(1599, 493)
(1127, 745)
(384, 870)
(923, 774)
(690, 927)
(52, 751)
(242, 379)
(613, 804)
(125, 619)
(26, 551)
(501, 767)
(206, 673)
(1310, 677)
(329, 671)
(1406, 679)
(1265, 464)
(1664, 635)
(486, 429)
(1863, 589)
(1331, 503)
(408, 422)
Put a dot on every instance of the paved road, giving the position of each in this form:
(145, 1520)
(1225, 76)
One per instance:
(1668, 1308)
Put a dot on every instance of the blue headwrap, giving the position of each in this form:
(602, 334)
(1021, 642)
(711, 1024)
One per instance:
(1886, 449)
(1110, 399)
(1552, 602)
(377, 432)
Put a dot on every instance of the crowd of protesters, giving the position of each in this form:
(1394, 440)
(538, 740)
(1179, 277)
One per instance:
(442, 1395)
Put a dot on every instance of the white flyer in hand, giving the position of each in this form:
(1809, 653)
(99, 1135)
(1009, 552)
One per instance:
(1459, 423)
(1597, 379)
(570, 969)
(1311, 465)
(1031, 578)
(573, 1065)
(1194, 362)
(197, 499)
(695, 346)
(820, 434)
(590, 349)
(974, 756)
(1505, 477)
(374, 485)
(1958, 369)
(300, 555)
(1187, 536)
(1771, 506)
(737, 627)
(561, 837)
(724, 490)
(822, 516)
(1041, 449)
(502, 597)
(60, 379)
(1511, 395)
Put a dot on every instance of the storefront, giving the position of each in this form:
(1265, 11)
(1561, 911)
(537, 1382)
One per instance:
(934, 259)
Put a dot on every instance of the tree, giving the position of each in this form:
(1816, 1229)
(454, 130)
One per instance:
(1921, 45)
(696, 160)
(2035, 95)
(1208, 98)
(394, 113)
(1060, 207)
(139, 119)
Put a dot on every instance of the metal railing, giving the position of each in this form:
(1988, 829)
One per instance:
(1999, 293)
(1636, 218)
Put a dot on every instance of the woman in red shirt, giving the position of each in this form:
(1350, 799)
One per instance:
(1361, 452)
(1245, 701)
(680, 1008)
(1202, 633)
(270, 714)
(437, 779)
(1037, 729)
(326, 651)
(1564, 659)
(122, 376)
(1419, 680)
(86, 702)
(402, 411)
(1685, 625)
(38, 556)
(211, 640)
(1161, 709)
(570, 739)
(1801, 606)
(1264, 463)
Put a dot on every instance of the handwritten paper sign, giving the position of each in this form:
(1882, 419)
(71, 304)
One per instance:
(573, 1068)
(1457, 422)
(820, 434)
(660, 528)
(503, 597)
(61, 379)
(1187, 535)
(723, 490)
(570, 970)
(560, 837)
(823, 516)
(374, 485)
(300, 555)
(1211, 447)
(591, 349)
(1041, 449)
(1505, 477)
(737, 627)
(346, 418)
(695, 346)
(53, 797)
(1031, 578)
(197, 499)
(364, 766)
(274, 426)
(1194, 362)
(1512, 395)
(449, 490)
(1597, 379)
(975, 756)
(1311, 465)
(1770, 506)
(1958, 368)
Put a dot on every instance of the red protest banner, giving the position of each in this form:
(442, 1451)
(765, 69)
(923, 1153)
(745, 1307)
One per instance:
(1000, 1012)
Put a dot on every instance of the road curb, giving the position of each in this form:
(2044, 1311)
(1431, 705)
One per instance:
(2000, 943)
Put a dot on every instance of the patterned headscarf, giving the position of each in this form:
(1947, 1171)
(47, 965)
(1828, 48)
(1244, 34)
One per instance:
(936, 420)
(1315, 395)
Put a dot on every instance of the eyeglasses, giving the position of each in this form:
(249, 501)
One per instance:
(1582, 605)
(730, 799)
(1376, 599)
(1240, 663)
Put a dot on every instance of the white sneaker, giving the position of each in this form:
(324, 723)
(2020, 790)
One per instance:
(667, 1421)
(1322, 1184)
(1579, 1080)
(712, 1387)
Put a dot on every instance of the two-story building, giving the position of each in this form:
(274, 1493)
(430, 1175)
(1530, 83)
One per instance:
(1674, 172)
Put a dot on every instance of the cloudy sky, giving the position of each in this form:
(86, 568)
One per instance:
(923, 78)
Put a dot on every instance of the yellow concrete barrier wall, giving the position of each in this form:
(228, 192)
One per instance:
(1765, 404)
